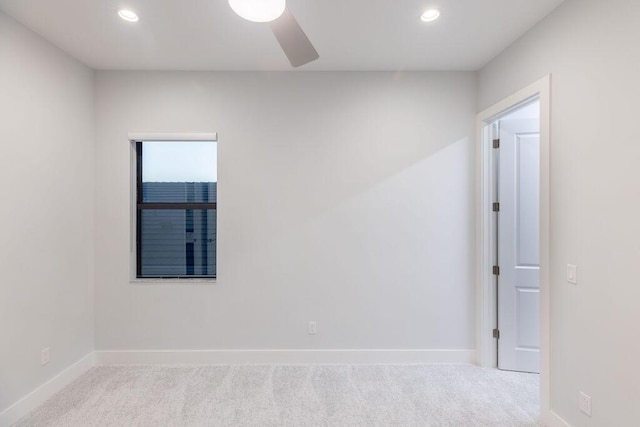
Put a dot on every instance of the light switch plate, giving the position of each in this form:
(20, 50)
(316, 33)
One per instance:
(572, 274)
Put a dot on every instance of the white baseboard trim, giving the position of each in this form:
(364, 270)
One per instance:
(38, 396)
(217, 357)
(554, 420)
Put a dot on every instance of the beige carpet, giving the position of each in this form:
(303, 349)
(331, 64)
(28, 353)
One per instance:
(294, 395)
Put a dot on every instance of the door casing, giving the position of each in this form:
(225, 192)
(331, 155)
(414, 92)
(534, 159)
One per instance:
(486, 307)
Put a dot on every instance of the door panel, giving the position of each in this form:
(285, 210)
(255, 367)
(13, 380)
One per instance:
(528, 197)
(527, 308)
(519, 245)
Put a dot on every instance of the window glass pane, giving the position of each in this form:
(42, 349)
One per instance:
(179, 171)
(178, 242)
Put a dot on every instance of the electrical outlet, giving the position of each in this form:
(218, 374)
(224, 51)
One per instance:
(45, 355)
(572, 274)
(585, 403)
(312, 328)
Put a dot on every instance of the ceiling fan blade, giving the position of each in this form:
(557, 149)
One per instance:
(293, 40)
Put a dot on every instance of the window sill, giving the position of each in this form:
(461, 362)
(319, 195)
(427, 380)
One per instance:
(180, 282)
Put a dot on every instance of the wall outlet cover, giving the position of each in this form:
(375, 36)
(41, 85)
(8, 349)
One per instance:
(312, 328)
(572, 274)
(585, 403)
(45, 356)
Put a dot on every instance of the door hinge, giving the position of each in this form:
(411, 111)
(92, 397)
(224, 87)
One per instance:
(496, 333)
(496, 143)
(496, 207)
(496, 270)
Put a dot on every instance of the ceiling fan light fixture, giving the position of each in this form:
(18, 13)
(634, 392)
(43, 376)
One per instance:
(258, 10)
(128, 15)
(430, 15)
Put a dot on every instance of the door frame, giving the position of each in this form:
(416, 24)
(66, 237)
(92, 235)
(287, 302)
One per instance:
(486, 308)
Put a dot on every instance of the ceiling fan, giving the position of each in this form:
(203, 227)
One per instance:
(293, 41)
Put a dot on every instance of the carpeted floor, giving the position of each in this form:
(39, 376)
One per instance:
(294, 395)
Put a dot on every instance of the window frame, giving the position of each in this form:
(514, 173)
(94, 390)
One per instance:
(137, 205)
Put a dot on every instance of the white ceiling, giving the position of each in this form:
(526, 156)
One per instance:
(348, 34)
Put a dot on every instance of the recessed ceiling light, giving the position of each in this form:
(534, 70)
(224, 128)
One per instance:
(258, 10)
(430, 15)
(128, 15)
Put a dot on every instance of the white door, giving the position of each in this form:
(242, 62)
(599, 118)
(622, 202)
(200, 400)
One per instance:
(519, 245)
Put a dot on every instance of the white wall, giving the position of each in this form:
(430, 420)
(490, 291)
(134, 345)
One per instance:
(344, 198)
(46, 183)
(591, 48)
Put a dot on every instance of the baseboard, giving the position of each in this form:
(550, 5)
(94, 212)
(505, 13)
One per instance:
(215, 357)
(554, 420)
(37, 397)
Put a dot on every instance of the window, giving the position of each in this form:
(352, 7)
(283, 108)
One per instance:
(176, 202)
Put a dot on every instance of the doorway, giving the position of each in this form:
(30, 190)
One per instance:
(489, 332)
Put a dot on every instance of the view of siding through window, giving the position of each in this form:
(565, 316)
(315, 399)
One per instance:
(178, 242)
